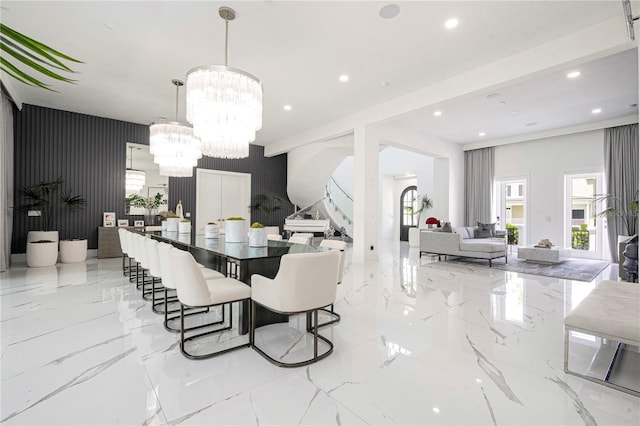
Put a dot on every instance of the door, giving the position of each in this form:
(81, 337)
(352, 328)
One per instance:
(583, 231)
(408, 215)
(220, 195)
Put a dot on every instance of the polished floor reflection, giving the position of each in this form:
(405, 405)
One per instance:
(420, 342)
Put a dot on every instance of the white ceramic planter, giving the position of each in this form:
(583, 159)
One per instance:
(72, 251)
(236, 231)
(184, 227)
(40, 255)
(211, 231)
(42, 235)
(164, 225)
(172, 224)
(257, 237)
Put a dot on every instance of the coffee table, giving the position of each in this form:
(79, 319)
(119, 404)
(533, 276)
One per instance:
(543, 255)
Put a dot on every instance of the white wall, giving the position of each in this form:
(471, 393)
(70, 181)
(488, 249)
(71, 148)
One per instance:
(543, 163)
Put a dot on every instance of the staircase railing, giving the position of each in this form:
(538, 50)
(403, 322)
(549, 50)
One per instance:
(340, 200)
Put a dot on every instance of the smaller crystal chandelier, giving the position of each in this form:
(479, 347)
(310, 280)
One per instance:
(134, 178)
(174, 147)
(224, 104)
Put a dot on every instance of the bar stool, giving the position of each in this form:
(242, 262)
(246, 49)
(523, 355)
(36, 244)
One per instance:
(123, 247)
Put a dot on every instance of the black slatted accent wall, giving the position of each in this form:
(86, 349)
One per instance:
(88, 152)
(268, 176)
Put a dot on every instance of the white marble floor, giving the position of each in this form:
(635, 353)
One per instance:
(420, 342)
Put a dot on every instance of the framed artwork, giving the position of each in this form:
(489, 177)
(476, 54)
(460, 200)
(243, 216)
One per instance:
(123, 222)
(108, 219)
(138, 223)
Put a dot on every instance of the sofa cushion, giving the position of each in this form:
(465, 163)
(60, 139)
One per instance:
(491, 227)
(483, 245)
(471, 231)
(481, 233)
(462, 231)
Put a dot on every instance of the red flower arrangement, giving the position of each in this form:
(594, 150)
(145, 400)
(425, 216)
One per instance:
(432, 221)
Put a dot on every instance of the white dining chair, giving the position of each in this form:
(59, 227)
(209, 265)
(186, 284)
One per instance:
(305, 283)
(341, 246)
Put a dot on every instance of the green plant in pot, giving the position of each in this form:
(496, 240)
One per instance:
(626, 212)
(257, 235)
(47, 198)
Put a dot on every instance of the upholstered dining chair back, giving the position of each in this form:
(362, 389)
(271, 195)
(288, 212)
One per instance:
(152, 257)
(296, 239)
(274, 237)
(192, 286)
(337, 245)
(305, 281)
(165, 252)
(141, 251)
(122, 234)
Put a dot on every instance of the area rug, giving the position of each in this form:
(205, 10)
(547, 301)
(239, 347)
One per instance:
(570, 269)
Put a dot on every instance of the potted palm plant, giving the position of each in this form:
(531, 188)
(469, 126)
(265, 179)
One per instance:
(42, 245)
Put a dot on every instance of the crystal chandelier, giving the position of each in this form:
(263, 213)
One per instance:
(224, 104)
(174, 147)
(134, 178)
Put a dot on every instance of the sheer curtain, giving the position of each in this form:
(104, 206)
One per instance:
(6, 181)
(621, 174)
(478, 185)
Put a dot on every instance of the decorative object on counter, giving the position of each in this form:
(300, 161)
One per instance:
(123, 222)
(138, 223)
(236, 230)
(213, 91)
(432, 222)
(150, 204)
(108, 219)
(174, 148)
(544, 243)
(184, 226)
(257, 235)
(179, 212)
(212, 230)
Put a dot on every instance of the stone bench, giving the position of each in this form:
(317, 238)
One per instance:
(611, 311)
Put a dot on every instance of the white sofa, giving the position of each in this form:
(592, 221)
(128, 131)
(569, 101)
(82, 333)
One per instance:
(461, 243)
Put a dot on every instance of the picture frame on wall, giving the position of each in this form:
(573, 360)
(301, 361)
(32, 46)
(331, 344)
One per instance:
(109, 219)
(138, 223)
(123, 222)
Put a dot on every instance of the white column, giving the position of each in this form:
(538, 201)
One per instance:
(365, 195)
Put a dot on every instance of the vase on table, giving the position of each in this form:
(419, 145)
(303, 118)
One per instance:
(150, 217)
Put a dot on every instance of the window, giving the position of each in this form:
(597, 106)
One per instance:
(508, 190)
(520, 190)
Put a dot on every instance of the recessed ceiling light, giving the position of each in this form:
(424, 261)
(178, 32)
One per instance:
(436, 410)
(596, 111)
(109, 26)
(385, 84)
(437, 113)
(343, 78)
(389, 11)
(573, 74)
(481, 134)
(451, 23)
(287, 107)
(502, 103)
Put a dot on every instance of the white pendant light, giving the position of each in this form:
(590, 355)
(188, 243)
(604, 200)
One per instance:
(134, 178)
(224, 105)
(174, 147)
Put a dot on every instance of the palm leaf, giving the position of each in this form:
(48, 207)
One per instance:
(22, 76)
(50, 60)
(34, 55)
(72, 202)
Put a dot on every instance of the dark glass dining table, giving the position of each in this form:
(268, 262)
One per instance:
(239, 261)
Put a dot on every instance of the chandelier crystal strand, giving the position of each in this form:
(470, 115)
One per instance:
(224, 105)
(174, 147)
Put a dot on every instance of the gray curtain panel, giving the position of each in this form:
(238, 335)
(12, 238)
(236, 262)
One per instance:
(621, 174)
(478, 185)
(6, 181)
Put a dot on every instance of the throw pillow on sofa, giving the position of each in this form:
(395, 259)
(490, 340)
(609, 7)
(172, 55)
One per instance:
(491, 227)
(481, 233)
(446, 227)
